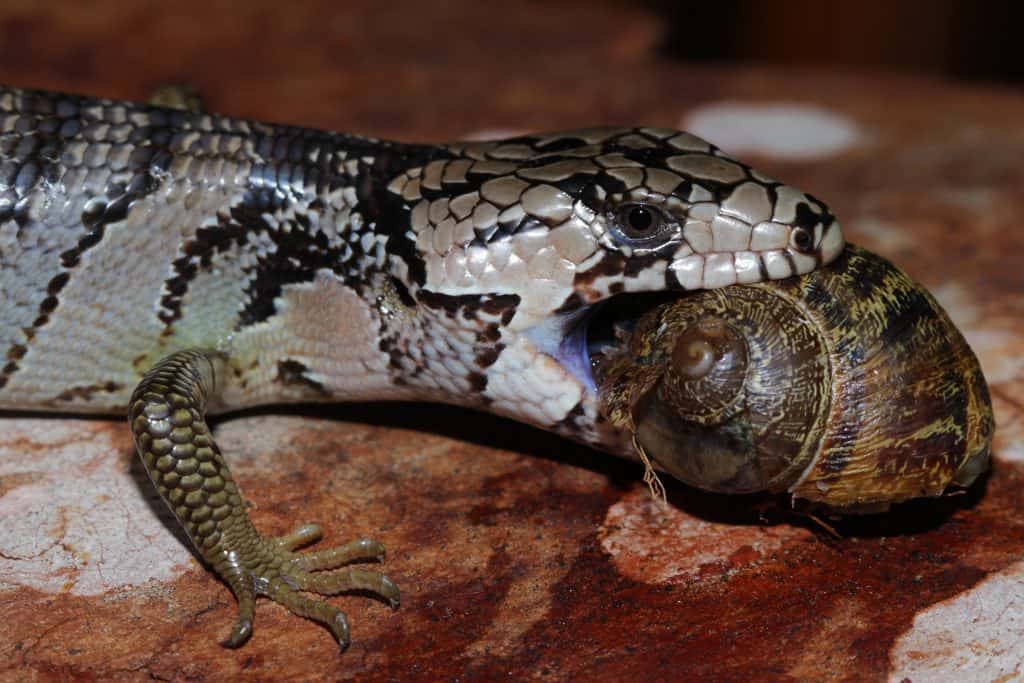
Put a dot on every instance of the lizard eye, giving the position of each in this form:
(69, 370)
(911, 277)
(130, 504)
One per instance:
(639, 225)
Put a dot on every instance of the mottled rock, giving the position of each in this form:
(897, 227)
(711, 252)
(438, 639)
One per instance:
(519, 555)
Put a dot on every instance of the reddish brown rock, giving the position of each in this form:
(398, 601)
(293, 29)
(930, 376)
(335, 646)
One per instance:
(520, 555)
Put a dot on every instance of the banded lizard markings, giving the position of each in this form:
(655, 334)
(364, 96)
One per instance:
(177, 263)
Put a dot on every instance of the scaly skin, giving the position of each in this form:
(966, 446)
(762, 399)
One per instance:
(167, 417)
(219, 263)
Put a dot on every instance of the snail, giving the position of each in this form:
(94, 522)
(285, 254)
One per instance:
(848, 387)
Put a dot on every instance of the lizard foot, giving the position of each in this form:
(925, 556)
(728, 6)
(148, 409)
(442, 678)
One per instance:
(167, 416)
(270, 567)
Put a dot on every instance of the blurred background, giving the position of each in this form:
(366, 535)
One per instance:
(449, 67)
(956, 38)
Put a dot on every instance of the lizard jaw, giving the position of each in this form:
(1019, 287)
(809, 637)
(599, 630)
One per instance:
(562, 336)
(578, 339)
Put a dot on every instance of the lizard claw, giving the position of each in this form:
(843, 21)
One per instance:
(239, 634)
(270, 567)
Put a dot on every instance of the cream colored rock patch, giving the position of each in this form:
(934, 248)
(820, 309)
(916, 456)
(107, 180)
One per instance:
(655, 543)
(975, 636)
(884, 235)
(998, 352)
(487, 134)
(72, 518)
(784, 130)
(995, 347)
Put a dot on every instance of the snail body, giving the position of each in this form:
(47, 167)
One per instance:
(849, 387)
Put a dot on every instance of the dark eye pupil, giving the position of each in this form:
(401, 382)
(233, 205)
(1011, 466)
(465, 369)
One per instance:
(802, 238)
(640, 225)
(640, 219)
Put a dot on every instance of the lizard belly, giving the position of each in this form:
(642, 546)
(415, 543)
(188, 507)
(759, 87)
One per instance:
(322, 344)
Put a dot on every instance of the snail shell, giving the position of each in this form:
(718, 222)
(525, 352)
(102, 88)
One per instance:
(848, 387)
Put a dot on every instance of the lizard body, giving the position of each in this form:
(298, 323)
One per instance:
(175, 262)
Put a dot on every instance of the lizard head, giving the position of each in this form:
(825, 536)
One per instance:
(563, 222)
(568, 219)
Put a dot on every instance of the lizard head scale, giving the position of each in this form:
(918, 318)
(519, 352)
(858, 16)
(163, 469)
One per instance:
(562, 222)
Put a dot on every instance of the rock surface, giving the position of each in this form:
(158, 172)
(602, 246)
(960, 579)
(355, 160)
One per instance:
(519, 555)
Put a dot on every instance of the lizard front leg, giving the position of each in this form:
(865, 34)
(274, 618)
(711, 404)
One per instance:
(167, 417)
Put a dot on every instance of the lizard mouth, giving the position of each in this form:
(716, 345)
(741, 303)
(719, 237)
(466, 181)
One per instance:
(581, 340)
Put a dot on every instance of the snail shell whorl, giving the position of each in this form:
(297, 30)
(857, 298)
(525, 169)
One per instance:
(753, 418)
(848, 386)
